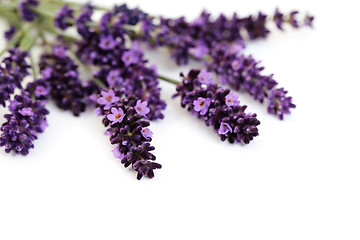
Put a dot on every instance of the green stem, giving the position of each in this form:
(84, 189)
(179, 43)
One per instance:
(88, 70)
(33, 67)
(13, 42)
(169, 80)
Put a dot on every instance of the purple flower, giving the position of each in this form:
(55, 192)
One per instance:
(248, 77)
(279, 103)
(63, 16)
(224, 128)
(278, 19)
(26, 119)
(114, 78)
(107, 99)
(202, 105)
(236, 64)
(131, 137)
(292, 19)
(309, 20)
(41, 91)
(146, 132)
(117, 153)
(107, 42)
(26, 13)
(46, 73)
(199, 51)
(26, 112)
(232, 100)
(10, 33)
(229, 122)
(129, 57)
(13, 70)
(205, 77)
(61, 78)
(117, 115)
(59, 51)
(141, 108)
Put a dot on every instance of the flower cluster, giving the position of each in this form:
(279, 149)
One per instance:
(195, 38)
(25, 9)
(27, 118)
(60, 80)
(127, 129)
(10, 33)
(118, 66)
(63, 17)
(244, 73)
(218, 107)
(12, 71)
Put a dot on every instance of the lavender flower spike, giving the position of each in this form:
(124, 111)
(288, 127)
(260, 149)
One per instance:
(212, 104)
(128, 131)
(27, 118)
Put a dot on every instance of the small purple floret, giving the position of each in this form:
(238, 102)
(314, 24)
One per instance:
(117, 115)
(129, 57)
(205, 77)
(141, 108)
(232, 100)
(224, 128)
(202, 105)
(26, 112)
(107, 99)
(147, 133)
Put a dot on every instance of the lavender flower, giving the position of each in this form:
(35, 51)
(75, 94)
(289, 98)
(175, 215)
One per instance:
(116, 116)
(279, 103)
(10, 33)
(229, 122)
(129, 57)
(25, 9)
(201, 105)
(141, 108)
(128, 131)
(245, 75)
(12, 71)
(118, 66)
(63, 17)
(205, 77)
(107, 99)
(62, 81)
(27, 118)
(147, 133)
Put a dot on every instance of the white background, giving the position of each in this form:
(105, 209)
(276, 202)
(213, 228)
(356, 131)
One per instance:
(300, 179)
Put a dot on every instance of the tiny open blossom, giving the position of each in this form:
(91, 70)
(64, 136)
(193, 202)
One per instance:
(46, 73)
(26, 112)
(117, 115)
(236, 64)
(224, 128)
(114, 78)
(147, 133)
(141, 108)
(202, 105)
(117, 153)
(199, 51)
(231, 100)
(59, 51)
(107, 42)
(107, 99)
(205, 77)
(129, 57)
(41, 91)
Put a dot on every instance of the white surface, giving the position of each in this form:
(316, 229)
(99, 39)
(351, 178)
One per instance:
(298, 180)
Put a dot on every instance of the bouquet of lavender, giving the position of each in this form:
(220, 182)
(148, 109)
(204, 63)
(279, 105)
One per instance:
(121, 86)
